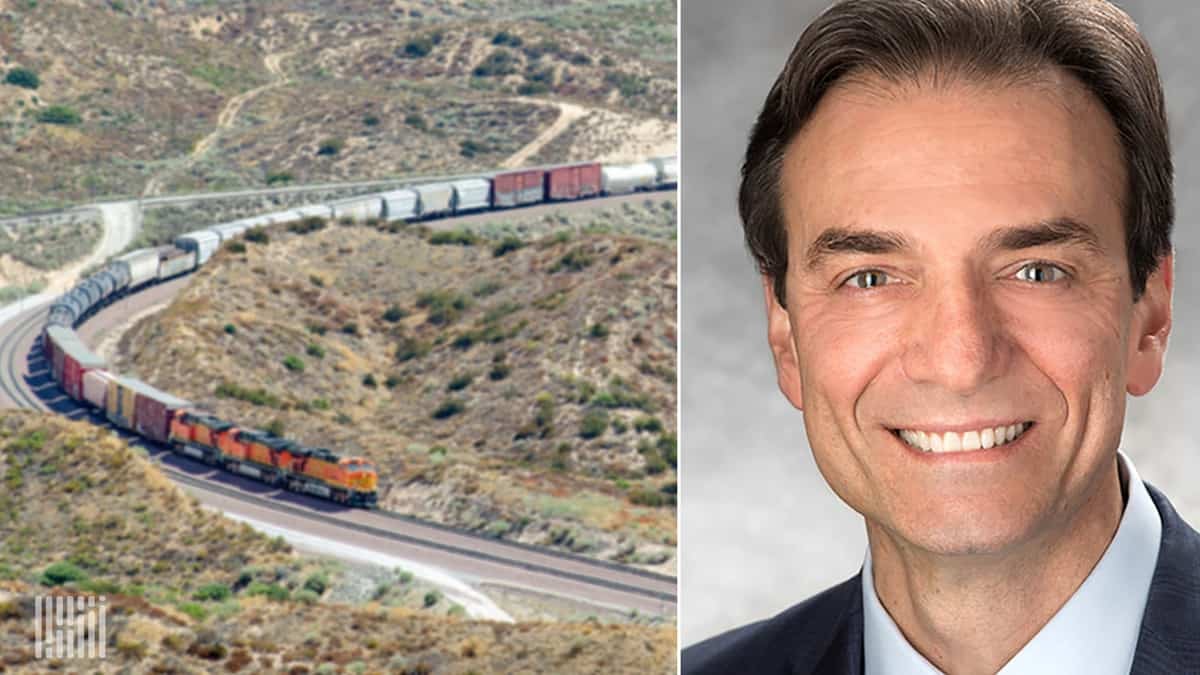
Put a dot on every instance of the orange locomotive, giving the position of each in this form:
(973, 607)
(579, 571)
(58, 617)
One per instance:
(274, 460)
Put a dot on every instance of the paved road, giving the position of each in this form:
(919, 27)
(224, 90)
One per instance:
(25, 382)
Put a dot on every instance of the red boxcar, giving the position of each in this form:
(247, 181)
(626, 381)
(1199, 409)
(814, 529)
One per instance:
(70, 359)
(154, 409)
(519, 187)
(573, 182)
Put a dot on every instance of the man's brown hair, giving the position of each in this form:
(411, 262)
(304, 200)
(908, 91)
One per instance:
(1000, 41)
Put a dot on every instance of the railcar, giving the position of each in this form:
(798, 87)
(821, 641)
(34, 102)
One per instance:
(518, 188)
(434, 199)
(69, 360)
(358, 208)
(201, 242)
(574, 181)
(400, 204)
(471, 194)
(626, 178)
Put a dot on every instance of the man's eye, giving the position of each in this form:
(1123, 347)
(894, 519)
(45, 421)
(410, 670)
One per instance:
(1041, 273)
(867, 279)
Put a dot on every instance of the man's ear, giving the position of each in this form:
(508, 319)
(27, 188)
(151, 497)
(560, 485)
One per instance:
(783, 347)
(1150, 328)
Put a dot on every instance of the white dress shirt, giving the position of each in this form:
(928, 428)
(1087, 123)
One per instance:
(1094, 633)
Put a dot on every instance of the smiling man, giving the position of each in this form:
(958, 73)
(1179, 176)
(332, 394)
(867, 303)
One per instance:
(961, 210)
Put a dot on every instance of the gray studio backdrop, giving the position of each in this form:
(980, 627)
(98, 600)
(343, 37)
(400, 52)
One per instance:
(759, 528)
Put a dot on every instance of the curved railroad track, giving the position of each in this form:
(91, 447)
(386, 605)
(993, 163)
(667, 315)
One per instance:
(25, 382)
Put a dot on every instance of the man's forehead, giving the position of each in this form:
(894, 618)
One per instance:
(872, 145)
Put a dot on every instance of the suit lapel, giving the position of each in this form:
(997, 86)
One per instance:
(1169, 641)
(844, 656)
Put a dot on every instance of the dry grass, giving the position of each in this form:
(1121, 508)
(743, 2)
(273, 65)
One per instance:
(149, 81)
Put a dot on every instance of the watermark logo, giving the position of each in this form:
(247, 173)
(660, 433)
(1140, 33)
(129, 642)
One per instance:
(68, 627)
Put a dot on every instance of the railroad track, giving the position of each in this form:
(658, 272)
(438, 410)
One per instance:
(17, 333)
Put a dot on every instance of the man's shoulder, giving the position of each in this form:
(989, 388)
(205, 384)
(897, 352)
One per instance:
(795, 640)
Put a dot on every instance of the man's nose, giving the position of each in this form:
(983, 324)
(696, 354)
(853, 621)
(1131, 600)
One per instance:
(956, 338)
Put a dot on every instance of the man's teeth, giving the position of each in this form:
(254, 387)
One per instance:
(952, 441)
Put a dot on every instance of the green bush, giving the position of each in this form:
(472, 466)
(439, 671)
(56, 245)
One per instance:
(194, 610)
(350, 328)
(444, 306)
(369, 381)
(256, 396)
(100, 586)
(497, 64)
(330, 147)
(59, 114)
(316, 351)
(470, 147)
(231, 329)
(649, 424)
(418, 47)
(62, 572)
(370, 121)
(507, 245)
(279, 177)
(307, 225)
(22, 77)
(294, 364)
(395, 313)
(276, 428)
(217, 592)
(258, 235)
(272, 591)
(432, 598)
(575, 260)
(499, 371)
(320, 403)
(644, 497)
(235, 246)
(416, 121)
(533, 88)
(461, 237)
(317, 582)
(598, 331)
(594, 423)
(449, 408)
(461, 382)
(410, 348)
(506, 38)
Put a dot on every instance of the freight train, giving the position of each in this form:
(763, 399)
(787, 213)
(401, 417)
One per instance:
(188, 430)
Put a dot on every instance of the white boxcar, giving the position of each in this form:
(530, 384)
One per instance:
(471, 194)
(359, 209)
(668, 170)
(172, 262)
(400, 204)
(229, 231)
(434, 199)
(95, 387)
(623, 178)
(203, 242)
(143, 266)
(312, 211)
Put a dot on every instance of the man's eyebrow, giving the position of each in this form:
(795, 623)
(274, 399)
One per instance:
(1062, 230)
(843, 240)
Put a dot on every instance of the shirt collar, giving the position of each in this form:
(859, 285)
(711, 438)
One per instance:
(1095, 632)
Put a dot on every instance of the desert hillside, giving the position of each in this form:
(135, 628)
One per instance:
(517, 379)
(189, 591)
(106, 99)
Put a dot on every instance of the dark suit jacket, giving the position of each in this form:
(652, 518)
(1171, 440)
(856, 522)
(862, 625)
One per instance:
(824, 634)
